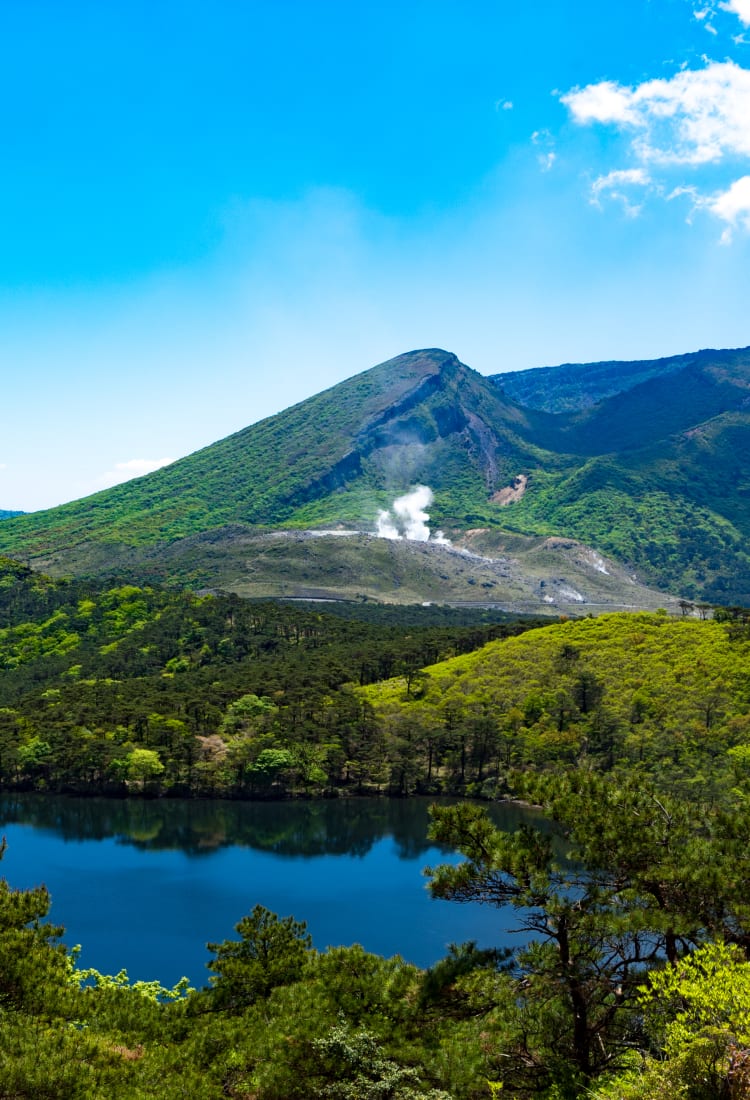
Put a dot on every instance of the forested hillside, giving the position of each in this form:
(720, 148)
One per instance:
(145, 688)
(660, 480)
(128, 688)
(573, 387)
(651, 695)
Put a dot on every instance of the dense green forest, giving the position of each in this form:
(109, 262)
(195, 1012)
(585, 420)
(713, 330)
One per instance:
(123, 689)
(631, 978)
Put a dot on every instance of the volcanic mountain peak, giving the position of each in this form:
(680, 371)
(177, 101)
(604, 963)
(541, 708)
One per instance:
(420, 418)
(645, 462)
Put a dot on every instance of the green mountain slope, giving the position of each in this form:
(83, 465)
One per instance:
(660, 478)
(341, 455)
(643, 462)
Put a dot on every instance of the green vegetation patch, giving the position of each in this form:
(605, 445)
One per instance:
(667, 698)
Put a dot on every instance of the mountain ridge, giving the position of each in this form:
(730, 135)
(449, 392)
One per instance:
(576, 386)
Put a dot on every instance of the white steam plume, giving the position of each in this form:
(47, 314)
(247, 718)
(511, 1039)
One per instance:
(408, 519)
(385, 528)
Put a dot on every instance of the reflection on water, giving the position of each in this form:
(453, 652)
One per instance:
(145, 885)
(197, 828)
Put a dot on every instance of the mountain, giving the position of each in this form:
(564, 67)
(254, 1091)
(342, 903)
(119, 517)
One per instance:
(341, 455)
(658, 476)
(333, 461)
(535, 476)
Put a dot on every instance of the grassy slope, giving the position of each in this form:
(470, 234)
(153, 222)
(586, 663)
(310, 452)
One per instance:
(527, 576)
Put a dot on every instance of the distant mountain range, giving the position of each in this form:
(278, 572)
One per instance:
(580, 479)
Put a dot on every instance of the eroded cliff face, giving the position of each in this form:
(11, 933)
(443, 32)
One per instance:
(439, 425)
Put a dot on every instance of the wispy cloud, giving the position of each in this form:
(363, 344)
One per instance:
(614, 186)
(706, 12)
(705, 17)
(544, 142)
(133, 467)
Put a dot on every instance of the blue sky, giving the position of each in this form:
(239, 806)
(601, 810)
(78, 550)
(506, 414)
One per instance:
(210, 211)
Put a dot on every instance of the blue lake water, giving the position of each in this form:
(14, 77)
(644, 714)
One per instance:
(144, 885)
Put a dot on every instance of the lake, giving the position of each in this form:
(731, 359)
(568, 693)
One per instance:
(143, 885)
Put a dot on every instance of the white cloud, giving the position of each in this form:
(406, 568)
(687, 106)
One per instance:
(696, 117)
(704, 16)
(603, 102)
(733, 207)
(740, 8)
(620, 177)
(710, 10)
(504, 105)
(133, 467)
(686, 192)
